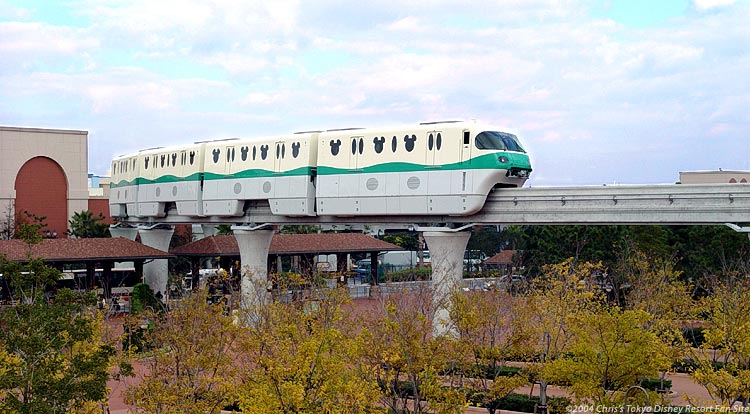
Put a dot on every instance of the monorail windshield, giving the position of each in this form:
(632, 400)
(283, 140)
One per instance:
(498, 141)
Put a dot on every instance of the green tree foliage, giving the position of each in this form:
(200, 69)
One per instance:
(405, 240)
(544, 245)
(52, 359)
(85, 225)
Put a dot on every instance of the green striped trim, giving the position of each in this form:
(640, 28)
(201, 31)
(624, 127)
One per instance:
(487, 161)
(483, 162)
(259, 173)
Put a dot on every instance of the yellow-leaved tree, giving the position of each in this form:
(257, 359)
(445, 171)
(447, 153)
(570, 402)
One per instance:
(492, 327)
(190, 359)
(410, 364)
(300, 357)
(560, 293)
(610, 351)
(724, 358)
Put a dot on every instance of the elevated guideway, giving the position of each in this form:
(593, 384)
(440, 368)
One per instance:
(674, 204)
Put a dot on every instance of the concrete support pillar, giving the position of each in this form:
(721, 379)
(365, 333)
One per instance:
(156, 273)
(447, 252)
(254, 246)
(124, 232)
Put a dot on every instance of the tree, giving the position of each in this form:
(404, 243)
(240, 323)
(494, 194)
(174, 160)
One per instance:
(191, 362)
(724, 360)
(407, 361)
(8, 222)
(543, 245)
(611, 350)
(491, 327)
(52, 358)
(562, 291)
(84, 225)
(301, 357)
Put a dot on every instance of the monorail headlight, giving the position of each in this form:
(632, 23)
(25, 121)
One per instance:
(503, 159)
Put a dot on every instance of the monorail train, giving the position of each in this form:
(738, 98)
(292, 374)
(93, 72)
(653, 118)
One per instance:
(434, 168)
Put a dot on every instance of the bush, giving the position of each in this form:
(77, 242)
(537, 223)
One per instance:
(655, 384)
(521, 402)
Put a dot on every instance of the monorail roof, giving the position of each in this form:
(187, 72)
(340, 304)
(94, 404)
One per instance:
(81, 250)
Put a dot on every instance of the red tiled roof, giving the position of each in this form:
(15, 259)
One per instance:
(289, 244)
(504, 257)
(81, 250)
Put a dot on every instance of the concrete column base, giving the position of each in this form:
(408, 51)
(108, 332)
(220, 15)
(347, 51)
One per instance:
(254, 246)
(156, 273)
(447, 253)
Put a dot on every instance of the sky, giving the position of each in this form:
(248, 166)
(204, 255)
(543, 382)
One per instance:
(599, 92)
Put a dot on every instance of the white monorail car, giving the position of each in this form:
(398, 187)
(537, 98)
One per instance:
(445, 168)
(431, 168)
(277, 169)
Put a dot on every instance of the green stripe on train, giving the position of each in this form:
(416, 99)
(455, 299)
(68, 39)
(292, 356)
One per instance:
(488, 161)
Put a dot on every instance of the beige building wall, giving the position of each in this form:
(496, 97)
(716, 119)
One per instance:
(714, 177)
(68, 148)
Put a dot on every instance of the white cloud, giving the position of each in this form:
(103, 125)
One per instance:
(704, 5)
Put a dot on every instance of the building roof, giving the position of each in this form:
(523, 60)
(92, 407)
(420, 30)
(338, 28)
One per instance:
(81, 250)
(289, 244)
(505, 257)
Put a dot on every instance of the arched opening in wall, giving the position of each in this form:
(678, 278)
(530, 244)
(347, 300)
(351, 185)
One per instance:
(42, 189)
(744, 180)
(732, 181)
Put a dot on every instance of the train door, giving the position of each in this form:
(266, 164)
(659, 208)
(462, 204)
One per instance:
(434, 145)
(229, 158)
(279, 156)
(355, 153)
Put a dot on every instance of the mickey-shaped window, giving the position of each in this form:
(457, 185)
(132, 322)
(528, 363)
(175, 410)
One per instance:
(378, 144)
(409, 142)
(335, 145)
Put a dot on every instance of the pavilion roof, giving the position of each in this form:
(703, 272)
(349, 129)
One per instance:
(81, 250)
(289, 244)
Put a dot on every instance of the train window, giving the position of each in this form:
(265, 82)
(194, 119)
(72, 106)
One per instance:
(163, 160)
(394, 143)
(361, 145)
(174, 158)
(439, 141)
(283, 150)
(409, 142)
(192, 157)
(243, 151)
(295, 149)
(430, 141)
(354, 146)
(378, 144)
(498, 141)
(255, 151)
(134, 160)
(278, 151)
(232, 153)
(466, 137)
